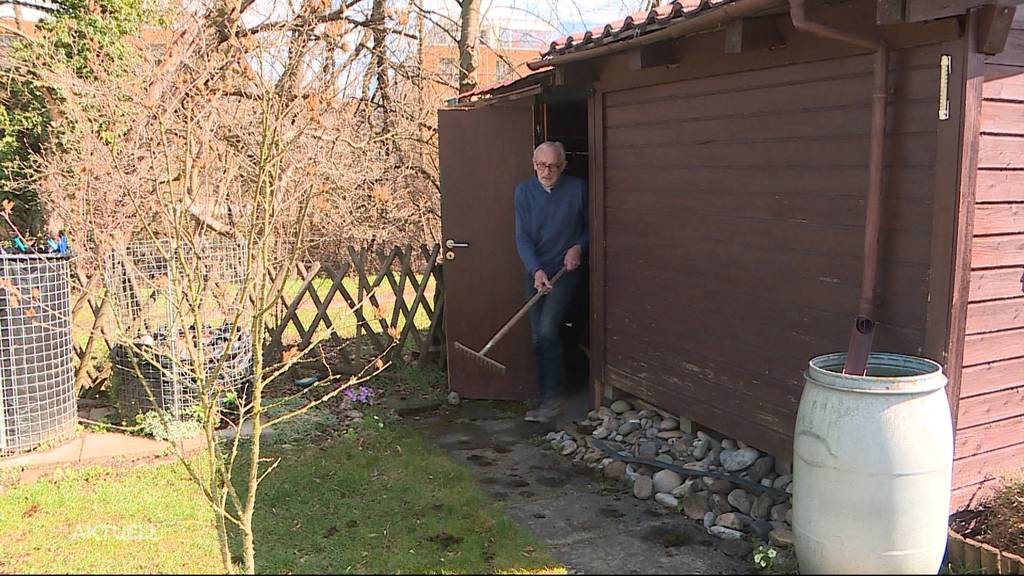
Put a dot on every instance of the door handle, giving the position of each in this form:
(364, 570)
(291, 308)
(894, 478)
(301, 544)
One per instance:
(454, 244)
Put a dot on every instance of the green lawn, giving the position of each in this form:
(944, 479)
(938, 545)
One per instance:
(383, 501)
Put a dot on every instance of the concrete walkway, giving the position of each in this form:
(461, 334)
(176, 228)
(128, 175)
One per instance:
(93, 449)
(592, 525)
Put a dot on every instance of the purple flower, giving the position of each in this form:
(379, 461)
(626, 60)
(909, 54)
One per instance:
(361, 395)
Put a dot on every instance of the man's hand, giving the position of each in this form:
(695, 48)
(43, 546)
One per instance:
(573, 257)
(541, 282)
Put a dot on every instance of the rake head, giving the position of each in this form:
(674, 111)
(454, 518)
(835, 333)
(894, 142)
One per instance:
(484, 361)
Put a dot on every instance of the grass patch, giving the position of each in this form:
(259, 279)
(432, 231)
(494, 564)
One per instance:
(106, 520)
(382, 501)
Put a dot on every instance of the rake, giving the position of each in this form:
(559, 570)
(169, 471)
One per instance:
(481, 356)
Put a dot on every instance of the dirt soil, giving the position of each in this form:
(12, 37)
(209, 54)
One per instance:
(592, 525)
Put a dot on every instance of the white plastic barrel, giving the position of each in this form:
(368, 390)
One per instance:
(872, 466)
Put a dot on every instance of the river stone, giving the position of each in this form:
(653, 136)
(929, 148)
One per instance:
(671, 434)
(620, 406)
(668, 424)
(781, 538)
(767, 483)
(667, 481)
(628, 428)
(714, 456)
(789, 517)
(719, 504)
(617, 438)
(762, 507)
(710, 440)
(720, 486)
(645, 470)
(666, 500)
(601, 433)
(730, 520)
(700, 449)
(778, 512)
(688, 488)
(679, 449)
(616, 470)
(729, 444)
(736, 548)
(631, 415)
(643, 487)
(709, 520)
(695, 506)
(568, 447)
(651, 433)
(760, 527)
(781, 482)
(593, 456)
(741, 500)
(646, 449)
(761, 468)
(665, 459)
(726, 533)
(736, 460)
(632, 437)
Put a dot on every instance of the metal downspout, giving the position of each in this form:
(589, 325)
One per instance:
(863, 330)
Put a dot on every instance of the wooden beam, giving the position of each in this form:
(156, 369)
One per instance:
(922, 10)
(652, 56)
(750, 34)
(994, 23)
(890, 12)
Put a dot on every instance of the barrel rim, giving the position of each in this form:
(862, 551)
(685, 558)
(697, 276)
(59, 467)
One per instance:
(929, 379)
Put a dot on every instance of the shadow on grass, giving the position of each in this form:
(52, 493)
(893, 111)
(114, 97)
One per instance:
(384, 501)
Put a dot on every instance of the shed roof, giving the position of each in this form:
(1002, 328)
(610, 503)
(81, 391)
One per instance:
(631, 26)
(534, 79)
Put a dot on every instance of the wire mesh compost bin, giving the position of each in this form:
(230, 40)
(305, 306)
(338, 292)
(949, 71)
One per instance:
(179, 307)
(37, 388)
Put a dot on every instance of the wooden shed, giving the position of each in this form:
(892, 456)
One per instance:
(727, 154)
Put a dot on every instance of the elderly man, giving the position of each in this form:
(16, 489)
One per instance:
(551, 233)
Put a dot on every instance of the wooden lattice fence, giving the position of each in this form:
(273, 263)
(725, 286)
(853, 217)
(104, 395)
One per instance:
(366, 303)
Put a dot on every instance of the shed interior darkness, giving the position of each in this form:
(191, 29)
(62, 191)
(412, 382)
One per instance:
(566, 121)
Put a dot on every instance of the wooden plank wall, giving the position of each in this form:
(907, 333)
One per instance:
(990, 419)
(734, 230)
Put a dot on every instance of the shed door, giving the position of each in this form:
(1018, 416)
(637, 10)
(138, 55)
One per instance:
(484, 153)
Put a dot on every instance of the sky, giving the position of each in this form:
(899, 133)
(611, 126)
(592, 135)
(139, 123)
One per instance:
(564, 16)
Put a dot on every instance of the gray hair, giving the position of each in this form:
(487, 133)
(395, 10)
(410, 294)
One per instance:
(556, 146)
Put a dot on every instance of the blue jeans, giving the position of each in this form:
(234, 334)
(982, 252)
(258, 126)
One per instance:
(546, 319)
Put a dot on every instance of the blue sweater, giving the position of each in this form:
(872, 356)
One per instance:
(549, 223)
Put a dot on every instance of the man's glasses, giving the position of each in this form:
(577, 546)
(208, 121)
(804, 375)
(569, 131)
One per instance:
(545, 166)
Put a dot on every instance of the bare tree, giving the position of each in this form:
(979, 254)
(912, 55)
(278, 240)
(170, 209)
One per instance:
(469, 40)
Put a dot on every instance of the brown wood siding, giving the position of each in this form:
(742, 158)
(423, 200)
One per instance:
(990, 423)
(734, 214)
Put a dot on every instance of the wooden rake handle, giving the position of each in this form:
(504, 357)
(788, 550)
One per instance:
(522, 311)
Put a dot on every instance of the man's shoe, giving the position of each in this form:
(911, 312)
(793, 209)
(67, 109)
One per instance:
(535, 415)
(546, 412)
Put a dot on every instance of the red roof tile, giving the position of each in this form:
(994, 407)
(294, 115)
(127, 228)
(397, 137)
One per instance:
(634, 24)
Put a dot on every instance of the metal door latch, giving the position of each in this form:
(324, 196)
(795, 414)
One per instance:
(449, 243)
